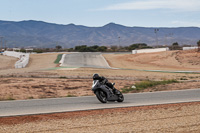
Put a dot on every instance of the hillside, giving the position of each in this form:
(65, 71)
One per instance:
(169, 60)
(42, 34)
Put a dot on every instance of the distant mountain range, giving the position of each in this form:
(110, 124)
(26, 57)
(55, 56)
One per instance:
(41, 34)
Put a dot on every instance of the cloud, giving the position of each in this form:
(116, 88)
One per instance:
(185, 23)
(182, 5)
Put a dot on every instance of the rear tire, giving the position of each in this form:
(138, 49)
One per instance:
(101, 96)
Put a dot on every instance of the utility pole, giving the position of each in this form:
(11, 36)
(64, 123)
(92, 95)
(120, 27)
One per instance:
(5, 44)
(168, 37)
(119, 41)
(156, 30)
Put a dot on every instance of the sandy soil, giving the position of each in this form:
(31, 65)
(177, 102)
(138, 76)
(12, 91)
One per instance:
(7, 62)
(40, 65)
(44, 82)
(39, 81)
(34, 88)
(37, 63)
(29, 88)
(169, 60)
(180, 118)
(122, 74)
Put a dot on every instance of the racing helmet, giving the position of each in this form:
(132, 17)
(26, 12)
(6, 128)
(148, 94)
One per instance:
(96, 76)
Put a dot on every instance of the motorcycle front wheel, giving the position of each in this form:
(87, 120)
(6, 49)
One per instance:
(120, 97)
(101, 96)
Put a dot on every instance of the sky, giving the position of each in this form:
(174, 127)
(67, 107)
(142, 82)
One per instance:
(95, 13)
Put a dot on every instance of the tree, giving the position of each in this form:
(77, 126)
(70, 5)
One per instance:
(85, 48)
(113, 48)
(80, 48)
(138, 46)
(58, 47)
(175, 46)
(23, 50)
(70, 50)
(38, 50)
(102, 49)
(94, 47)
(198, 44)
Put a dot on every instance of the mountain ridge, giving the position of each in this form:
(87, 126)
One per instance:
(42, 34)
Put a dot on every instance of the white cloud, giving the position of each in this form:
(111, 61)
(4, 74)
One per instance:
(185, 23)
(182, 5)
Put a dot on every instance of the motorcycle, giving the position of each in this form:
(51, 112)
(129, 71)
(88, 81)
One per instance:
(105, 93)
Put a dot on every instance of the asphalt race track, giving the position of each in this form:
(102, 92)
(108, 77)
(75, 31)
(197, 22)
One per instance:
(53, 105)
(96, 60)
(85, 59)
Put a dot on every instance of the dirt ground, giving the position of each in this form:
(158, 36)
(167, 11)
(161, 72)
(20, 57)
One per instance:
(36, 88)
(43, 79)
(41, 65)
(7, 62)
(169, 60)
(180, 118)
(37, 63)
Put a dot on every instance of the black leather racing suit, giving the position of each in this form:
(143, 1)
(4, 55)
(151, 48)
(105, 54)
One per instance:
(105, 81)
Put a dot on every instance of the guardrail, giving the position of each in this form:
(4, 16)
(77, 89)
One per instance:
(23, 58)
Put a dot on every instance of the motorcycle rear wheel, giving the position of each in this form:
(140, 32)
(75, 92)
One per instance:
(101, 96)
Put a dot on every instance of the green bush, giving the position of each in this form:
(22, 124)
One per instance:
(38, 50)
(70, 95)
(146, 84)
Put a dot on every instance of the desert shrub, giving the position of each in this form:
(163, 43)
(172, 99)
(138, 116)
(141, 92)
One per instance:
(146, 84)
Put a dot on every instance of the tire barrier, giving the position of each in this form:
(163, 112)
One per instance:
(23, 58)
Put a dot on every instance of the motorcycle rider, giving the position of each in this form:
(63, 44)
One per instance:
(105, 81)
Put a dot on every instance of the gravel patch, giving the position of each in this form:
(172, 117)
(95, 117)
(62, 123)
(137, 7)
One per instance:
(184, 117)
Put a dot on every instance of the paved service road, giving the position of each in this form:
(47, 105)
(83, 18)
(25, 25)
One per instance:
(39, 106)
(85, 59)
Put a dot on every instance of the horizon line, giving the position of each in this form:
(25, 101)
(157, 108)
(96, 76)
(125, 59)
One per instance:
(100, 26)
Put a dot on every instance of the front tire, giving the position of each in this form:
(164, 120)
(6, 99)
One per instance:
(101, 96)
(120, 97)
